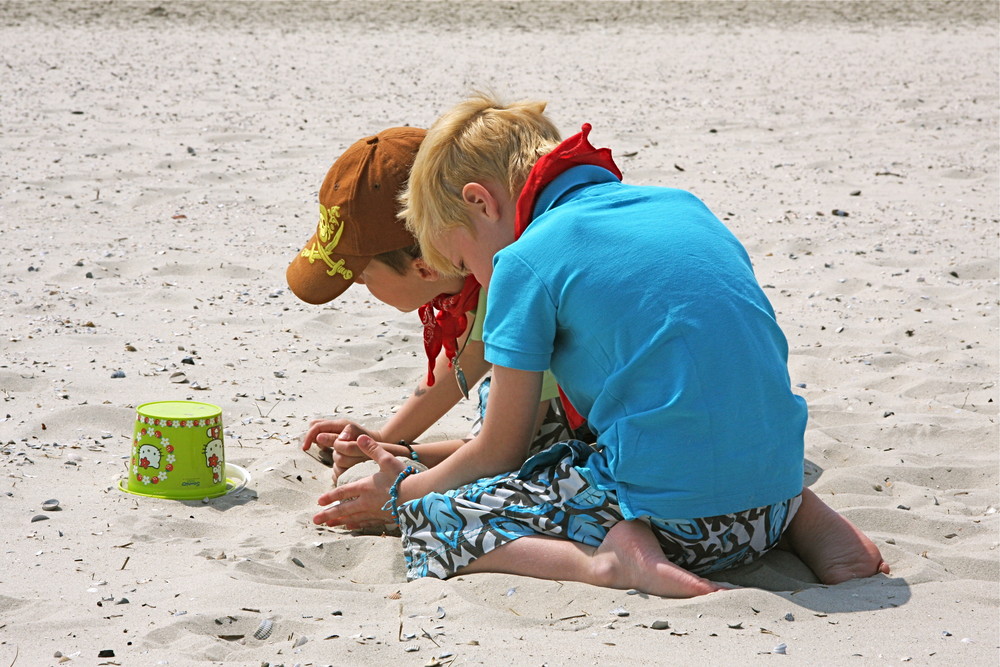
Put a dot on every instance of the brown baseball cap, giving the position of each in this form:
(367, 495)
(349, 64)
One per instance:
(357, 214)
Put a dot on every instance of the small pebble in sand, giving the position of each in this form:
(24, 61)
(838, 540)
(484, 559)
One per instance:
(118, 374)
(39, 517)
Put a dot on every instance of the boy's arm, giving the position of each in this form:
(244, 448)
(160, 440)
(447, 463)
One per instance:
(500, 447)
(349, 454)
(418, 413)
(428, 404)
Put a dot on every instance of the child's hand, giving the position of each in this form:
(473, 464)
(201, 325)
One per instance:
(326, 433)
(359, 504)
(345, 455)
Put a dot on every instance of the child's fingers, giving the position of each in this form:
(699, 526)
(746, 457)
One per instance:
(342, 462)
(386, 461)
(350, 432)
(317, 427)
(326, 440)
(348, 449)
(353, 504)
(334, 439)
(322, 432)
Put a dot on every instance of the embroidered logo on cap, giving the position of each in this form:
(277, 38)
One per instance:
(328, 233)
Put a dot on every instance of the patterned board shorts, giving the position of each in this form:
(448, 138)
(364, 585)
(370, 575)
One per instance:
(553, 495)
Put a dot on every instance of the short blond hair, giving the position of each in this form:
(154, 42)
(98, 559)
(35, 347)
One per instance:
(480, 139)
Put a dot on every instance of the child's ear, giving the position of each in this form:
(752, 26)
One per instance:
(424, 270)
(479, 200)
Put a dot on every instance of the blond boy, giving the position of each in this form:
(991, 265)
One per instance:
(650, 317)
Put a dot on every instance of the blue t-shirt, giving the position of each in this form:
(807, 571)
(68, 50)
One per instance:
(550, 389)
(646, 309)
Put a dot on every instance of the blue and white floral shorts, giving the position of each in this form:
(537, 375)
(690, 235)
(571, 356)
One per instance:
(553, 495)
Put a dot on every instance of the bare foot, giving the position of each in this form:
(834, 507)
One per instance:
(833, 547)
(630, 557)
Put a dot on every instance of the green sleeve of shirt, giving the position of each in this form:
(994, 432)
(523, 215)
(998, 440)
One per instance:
(550, 389)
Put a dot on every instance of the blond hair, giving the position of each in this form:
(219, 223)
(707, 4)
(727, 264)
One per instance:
(480, 139)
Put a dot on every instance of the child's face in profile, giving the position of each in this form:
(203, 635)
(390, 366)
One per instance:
(466, 253)
(407, 291)
(491, 212)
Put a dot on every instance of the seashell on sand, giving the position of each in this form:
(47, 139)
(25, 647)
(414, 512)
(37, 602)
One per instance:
(263, 630)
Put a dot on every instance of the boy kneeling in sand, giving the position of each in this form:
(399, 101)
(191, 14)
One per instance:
(360, 239)
(647, 311)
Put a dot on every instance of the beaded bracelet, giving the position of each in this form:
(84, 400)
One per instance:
(413, 452)
(392, 505)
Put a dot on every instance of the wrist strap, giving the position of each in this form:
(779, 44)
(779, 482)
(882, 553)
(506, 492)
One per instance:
(392, 505)
(413, 453)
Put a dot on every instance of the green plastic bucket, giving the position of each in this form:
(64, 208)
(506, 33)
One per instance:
(177, 451)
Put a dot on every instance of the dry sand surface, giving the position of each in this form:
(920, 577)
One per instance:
(159, 164)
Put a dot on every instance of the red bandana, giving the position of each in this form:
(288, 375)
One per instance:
(442, 328)
(573, 152)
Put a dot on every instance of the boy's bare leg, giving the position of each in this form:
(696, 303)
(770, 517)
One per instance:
(833, 547)
(629, 557)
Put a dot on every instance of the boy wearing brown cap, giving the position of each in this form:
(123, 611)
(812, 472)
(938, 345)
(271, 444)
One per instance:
(359, 239)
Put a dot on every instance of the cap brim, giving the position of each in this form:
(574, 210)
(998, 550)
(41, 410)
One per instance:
(319, 280)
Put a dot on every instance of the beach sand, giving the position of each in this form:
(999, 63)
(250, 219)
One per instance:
(160, 167)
